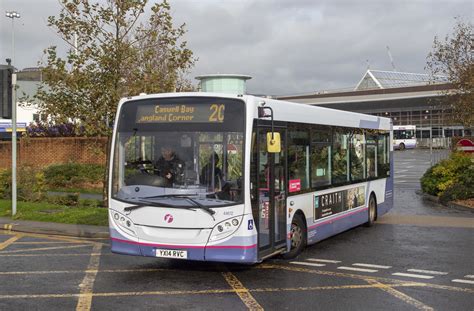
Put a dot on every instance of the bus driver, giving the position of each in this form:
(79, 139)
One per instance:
(169, 166)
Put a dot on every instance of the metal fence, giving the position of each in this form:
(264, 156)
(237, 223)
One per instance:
(440, 147)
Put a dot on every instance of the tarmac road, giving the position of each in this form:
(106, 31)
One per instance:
(417, 257)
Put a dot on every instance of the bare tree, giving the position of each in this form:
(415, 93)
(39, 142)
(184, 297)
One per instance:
(453, 57)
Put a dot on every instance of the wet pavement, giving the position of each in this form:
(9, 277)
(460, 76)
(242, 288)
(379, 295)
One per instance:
(417, 257)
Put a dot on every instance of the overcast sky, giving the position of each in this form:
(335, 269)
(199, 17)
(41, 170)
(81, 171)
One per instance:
(287, 46)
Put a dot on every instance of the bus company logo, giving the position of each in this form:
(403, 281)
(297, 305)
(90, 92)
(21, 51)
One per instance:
(168, 218)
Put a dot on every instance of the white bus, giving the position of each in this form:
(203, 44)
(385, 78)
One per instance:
(215, 177)
(404, 137)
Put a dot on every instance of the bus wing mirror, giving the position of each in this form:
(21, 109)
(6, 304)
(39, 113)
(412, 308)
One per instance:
(273, 142)
(262, 113)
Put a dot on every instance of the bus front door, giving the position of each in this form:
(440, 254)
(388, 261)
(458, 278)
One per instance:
(271, 222)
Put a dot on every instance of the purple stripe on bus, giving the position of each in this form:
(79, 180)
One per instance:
(337, 218)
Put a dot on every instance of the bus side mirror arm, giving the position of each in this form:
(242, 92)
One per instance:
(273, 139)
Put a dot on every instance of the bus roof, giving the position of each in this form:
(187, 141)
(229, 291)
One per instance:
(289, 111)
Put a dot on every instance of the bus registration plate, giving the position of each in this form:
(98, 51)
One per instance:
(171, 253)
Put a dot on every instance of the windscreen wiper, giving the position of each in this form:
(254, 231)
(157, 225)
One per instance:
(199, 205)
(186, 197)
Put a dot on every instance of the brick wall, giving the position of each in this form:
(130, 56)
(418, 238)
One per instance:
(41, 152)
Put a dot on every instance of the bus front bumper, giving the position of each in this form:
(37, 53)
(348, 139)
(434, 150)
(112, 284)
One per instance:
(239, 250)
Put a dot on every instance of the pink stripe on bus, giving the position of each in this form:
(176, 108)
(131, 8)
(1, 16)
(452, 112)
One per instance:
(186, 246)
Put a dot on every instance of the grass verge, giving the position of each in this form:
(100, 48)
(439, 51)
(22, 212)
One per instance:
(56, 213)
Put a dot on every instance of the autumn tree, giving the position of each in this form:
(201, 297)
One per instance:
(112, 53)
(453, 57)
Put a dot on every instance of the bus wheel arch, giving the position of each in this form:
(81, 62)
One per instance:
(371, 210)
(299, 235)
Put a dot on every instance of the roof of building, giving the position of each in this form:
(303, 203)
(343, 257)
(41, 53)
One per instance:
(380, 79)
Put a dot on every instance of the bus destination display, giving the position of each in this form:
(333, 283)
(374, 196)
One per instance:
(181, 113)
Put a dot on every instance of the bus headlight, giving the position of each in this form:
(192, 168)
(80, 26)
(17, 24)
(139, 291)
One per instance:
(123, 222)
(225, 228)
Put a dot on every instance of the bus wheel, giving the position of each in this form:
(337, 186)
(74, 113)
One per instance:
(372, 211)
(298, 237)
(402, 146)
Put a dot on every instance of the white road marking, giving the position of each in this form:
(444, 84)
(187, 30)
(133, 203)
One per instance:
(463, 281)
(410, 166)
(371, 266)
(419, 276)
(469, 276)
(357, 269)
(427, 271)
(307, 264)
(324, 260)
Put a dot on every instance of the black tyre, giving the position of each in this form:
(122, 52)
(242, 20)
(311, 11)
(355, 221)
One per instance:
(298, 237)
(401, 146)
(371, 211)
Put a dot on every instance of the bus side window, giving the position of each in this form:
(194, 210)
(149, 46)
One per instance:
(321, 156)
(298, 160)
(340, 158)
(383, 155)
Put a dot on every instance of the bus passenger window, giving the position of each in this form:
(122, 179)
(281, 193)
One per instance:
(298, 160)
(383, 155)
(321, 157)
(357, 155)
(340, 159)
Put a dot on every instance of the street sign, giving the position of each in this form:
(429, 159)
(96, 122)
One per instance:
(6, 91)
(465, 145)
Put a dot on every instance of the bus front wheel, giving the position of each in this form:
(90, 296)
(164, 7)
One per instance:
(372, 211)
(402, 146)
(298, 237)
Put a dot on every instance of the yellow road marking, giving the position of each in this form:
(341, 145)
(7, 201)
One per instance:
(7, 227)
(43, 249)
(85, 296)
(361, 277)
(45, 242)
(428, 221)
(82, 271)
(241, 291)
(10, 241)
(403, 297)
(57, 237)
(200, 292)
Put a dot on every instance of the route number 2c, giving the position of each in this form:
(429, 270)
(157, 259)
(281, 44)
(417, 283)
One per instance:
(217, 113)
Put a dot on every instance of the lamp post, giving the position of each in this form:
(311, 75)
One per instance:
(13, 15)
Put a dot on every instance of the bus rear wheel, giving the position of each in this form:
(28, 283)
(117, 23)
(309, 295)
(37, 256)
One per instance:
(298, 237)
(401, 146)
(372, 211)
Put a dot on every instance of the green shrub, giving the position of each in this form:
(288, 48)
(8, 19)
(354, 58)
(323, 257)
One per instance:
(444, 178)
(30, 184)
(457, 192)
(74, 175)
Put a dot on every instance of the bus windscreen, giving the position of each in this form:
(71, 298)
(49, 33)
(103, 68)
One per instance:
(173, 147)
